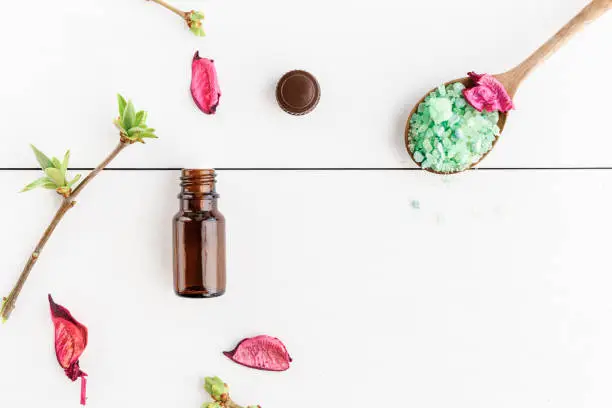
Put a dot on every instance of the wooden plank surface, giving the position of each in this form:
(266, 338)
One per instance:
(374, 60)
(495, 293)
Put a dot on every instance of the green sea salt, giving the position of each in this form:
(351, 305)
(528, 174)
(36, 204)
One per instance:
(447, 134)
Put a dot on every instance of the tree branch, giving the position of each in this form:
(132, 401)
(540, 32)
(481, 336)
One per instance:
(9, 302)
(173, 9)
(122, 145)
(232, 404)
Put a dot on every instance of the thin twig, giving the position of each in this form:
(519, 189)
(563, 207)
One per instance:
(162, 3)
(122, 145)
(67, 203)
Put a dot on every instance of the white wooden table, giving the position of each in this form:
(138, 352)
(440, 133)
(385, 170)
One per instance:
(494, 294)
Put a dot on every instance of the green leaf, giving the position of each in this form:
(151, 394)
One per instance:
(218, 390)
(118, 124)
(74, 180)
(129, 116)
(147, 135)
(135, 130)
(196, 15)
(56, 175)
(122, 104)
(215, 387)
(197, 30)
(141, 118)
(64, 166)
(208, 383)
(37, 183)
(42, 159)
(56, 163)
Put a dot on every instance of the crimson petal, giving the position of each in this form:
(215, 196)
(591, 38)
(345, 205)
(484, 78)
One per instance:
(70, 342)
(262, 353)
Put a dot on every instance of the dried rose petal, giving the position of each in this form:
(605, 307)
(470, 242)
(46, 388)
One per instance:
(262, 353)
(70, 342)
(488, 94)
(204, 84)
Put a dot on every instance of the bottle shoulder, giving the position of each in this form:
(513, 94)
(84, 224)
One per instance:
(190, 216)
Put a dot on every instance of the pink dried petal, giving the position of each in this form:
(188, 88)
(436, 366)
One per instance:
(70, 342)
(262, 353)
(487, 94)
(204, 84)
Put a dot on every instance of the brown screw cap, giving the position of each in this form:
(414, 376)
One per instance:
(298, 92)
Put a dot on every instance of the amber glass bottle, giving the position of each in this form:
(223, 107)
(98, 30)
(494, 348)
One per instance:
(199, 238)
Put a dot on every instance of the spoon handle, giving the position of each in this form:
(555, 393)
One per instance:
(513, 78)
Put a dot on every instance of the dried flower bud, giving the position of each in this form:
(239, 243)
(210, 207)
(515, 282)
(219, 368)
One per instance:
(70, 342)
(204, 84)
(487, 94)
(262, 353)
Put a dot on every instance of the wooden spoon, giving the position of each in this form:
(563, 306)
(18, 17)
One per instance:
(512, 79)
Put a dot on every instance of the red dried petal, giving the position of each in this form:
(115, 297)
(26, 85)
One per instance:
(204, 84)
(487, 94)
(262, 353)
(70, 342)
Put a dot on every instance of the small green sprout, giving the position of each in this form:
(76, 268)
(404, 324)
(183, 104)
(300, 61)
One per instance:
(193, 18)
(132, 124)
(194, 21)
(219, 392)
(217, 389)
(56, 174)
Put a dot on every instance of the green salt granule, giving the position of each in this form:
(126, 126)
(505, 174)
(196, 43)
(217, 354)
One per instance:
(447, 134)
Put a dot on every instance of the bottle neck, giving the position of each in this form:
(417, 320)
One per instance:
(198, 190)
(191, 203)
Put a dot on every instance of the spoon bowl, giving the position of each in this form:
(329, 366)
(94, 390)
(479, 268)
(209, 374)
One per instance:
(467, 82)
(512, 79)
